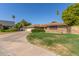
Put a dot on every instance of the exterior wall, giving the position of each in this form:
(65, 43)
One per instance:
(58, 30)
(51, 30)
(28, 29)
(75, 29)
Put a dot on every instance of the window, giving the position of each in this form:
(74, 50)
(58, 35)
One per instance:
(53, 27)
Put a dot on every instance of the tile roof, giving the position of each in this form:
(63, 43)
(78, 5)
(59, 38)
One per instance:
(45, 25)
(56, 24)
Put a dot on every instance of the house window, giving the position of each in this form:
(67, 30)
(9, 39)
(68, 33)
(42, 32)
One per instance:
(53, 27)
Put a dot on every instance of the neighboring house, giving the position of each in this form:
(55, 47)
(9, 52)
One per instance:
(6, 24)
(50, 27)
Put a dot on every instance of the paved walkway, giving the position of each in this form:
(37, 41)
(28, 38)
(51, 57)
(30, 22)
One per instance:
(15, 44)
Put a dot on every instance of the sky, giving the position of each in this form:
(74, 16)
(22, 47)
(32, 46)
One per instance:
(35, 13)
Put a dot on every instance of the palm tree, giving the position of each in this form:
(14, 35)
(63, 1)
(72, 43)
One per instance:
(57, 12)
(13, 16)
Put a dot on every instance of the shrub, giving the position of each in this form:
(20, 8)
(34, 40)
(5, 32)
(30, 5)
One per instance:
(12, 30)
(2, 30)
(8, 30)
(38, 30)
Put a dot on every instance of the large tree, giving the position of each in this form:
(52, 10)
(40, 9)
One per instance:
(22, 23)
(70, 16)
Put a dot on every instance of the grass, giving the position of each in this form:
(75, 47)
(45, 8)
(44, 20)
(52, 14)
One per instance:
(63, 44)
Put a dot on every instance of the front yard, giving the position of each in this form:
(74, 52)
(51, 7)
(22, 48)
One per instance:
(62, 44)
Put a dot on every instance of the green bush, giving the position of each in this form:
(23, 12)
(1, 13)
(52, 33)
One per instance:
(38, 30)
(2, 30)
(12, 30)
(8, 30)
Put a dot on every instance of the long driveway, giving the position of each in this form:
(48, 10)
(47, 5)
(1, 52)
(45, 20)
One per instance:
(15, 44)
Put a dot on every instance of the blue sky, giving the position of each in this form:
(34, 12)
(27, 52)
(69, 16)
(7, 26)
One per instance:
(35, 13)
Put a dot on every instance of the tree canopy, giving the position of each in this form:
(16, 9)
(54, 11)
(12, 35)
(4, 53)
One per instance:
(70, 15)
(22, 23)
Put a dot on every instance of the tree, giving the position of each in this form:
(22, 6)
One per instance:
(18, 25)
(57, 12)
(13, 16)
(22, 24)
(70, 16)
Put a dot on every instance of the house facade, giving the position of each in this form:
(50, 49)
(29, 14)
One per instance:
(6, 24)
(56, 27)
(50, 27)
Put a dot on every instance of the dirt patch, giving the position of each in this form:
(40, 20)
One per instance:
(57, 48)
(1, 33)
(60, 49)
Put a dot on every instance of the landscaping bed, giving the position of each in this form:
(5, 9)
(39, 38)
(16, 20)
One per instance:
(62, 44)
(6, 31)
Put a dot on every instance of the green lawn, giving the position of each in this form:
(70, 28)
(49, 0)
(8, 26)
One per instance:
(63, 44)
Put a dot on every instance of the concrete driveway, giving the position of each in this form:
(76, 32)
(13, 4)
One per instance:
(15, 44)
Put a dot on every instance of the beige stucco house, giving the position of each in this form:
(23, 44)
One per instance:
(54, 27)
(50, 27)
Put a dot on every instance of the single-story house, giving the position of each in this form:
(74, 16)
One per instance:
(50, 27)
(54, 27)
(6, 24)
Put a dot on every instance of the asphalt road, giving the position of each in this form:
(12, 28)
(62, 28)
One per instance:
(16, 44)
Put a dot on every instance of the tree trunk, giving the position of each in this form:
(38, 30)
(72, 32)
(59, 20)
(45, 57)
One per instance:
(68, 29)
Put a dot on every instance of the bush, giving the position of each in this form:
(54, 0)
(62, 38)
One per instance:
(38, 30)
(2, 30)
(8, 30)
(12, 30)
